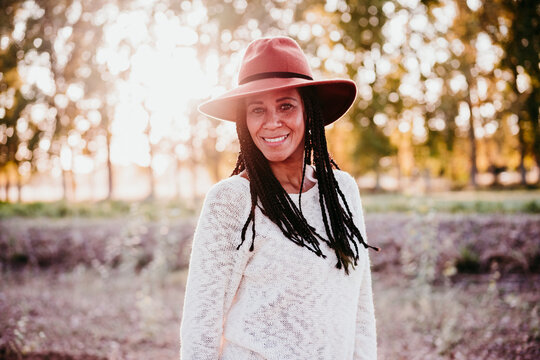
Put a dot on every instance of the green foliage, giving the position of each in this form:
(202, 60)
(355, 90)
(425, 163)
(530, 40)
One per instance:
(371, 147)
(503, 202)
(487, 202)
(35, 209)
(532, 207)
(151, 210)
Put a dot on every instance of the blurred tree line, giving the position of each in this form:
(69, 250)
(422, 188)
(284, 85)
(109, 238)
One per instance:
(447, 88)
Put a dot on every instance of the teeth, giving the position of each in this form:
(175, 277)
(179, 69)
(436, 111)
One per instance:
(278, 139)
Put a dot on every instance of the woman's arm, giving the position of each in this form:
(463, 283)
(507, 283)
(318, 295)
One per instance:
(365, 346)
(215, 271)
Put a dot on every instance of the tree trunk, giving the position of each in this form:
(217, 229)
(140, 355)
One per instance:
(472, 137)
(193, 162)
(399, 177)
(522, 151)
(7, 186)
(72, 179)
(4, 190)
(377, 179)
(176, 178)
(427, 180)
(151, 177)
(64, 185)
(109, 167)
(532, 106)
(19, 189)
(194, 180)
(470, 58)
(472, 141)
(519, 108)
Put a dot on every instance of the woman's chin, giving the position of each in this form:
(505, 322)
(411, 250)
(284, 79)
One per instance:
(285, 155)
(275, 159)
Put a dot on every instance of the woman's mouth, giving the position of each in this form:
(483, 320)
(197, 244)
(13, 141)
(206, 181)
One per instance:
(275, 140)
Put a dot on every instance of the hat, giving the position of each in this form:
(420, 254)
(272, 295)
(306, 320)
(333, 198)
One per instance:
(279, 63)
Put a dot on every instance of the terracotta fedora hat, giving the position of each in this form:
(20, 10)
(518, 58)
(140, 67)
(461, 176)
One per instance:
(279, 63)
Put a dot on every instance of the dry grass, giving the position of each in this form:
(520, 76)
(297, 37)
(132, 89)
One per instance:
(117, 316)
(120, 316)
(477, 317)
(113, 289)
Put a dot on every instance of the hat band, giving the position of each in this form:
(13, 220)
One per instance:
(274, 74)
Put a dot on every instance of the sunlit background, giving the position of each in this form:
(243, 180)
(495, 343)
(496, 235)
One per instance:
(98, 98)
(98, 104)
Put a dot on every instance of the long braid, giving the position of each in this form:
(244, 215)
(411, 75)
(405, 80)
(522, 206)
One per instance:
(344, 229)
(332, 214)
(239, 167)
(277, 205)
(308, 150)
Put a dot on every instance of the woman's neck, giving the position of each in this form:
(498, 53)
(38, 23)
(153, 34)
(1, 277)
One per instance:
(289, 175)
(290, 179)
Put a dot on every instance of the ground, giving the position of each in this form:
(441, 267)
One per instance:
(428, 306)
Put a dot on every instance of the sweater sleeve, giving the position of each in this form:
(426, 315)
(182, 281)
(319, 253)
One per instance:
(365, 347)
(215, 271)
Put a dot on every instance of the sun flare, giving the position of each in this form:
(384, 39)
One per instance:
(165, 77)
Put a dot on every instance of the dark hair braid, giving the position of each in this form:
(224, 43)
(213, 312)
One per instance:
(279, 207)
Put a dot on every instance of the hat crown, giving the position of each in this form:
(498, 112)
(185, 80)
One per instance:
(274, 55)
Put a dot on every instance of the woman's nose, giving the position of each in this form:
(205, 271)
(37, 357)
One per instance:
(272, 120)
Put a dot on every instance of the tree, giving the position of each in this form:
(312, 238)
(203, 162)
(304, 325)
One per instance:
(20, 135)
(519, 37)
(351, 38)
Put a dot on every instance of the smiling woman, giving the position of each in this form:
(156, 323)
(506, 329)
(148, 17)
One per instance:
(302, 289)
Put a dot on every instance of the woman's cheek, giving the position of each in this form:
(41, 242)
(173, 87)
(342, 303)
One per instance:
(252, 126)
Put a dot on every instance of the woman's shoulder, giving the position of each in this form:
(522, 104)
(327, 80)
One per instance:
(232, 189)
(345, 180)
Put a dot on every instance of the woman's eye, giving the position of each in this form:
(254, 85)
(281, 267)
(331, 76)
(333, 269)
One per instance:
(257, 110)
(286, 106)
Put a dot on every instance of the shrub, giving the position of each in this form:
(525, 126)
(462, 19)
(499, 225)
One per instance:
(532, 207)
(534, 262)
(468, 261)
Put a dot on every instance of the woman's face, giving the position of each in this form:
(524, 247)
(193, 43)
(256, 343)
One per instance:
(275, 121)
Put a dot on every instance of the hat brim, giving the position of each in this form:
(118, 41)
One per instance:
(336, 96)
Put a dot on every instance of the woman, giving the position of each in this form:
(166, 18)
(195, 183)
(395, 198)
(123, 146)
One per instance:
(301, 287)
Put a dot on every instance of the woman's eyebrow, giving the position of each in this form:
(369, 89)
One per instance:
(286, 98)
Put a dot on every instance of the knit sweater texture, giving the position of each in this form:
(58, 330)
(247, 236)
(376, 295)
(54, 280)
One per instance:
(279, 301)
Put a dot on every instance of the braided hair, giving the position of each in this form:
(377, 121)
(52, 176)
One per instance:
(343, 236)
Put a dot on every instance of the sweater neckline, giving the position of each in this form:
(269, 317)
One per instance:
(292, 195)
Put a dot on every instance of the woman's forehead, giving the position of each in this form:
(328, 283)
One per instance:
(274, 95)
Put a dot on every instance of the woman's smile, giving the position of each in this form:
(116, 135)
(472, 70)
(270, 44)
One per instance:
(278, 140)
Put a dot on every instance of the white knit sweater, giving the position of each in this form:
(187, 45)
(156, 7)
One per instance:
(280, 301)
